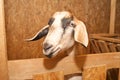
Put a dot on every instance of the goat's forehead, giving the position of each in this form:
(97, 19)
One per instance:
(61, 15)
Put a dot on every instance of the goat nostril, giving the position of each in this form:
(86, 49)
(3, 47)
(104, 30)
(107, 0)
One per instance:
(47, 46)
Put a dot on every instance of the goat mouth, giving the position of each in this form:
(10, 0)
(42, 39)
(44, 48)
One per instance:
(53, 52)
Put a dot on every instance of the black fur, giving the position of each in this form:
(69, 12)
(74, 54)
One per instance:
(41, 34)
(66, 22)
(51, 21)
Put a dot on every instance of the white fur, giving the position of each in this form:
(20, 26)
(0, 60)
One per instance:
(55, 36)
(60, 41)
(76, 78)
(64, 39)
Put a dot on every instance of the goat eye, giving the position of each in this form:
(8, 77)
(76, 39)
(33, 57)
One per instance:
(72, 24)
(66, 22)
(51, 21)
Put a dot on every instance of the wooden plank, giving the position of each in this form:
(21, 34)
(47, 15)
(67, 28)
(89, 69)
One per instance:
(112, 17)
(95, 73)
(112, 47)
(24, 69)
(103, 46)
(3, 50)
(95, 46)
(118, 47)
(105, 35)
(58, 75)
(112, 40)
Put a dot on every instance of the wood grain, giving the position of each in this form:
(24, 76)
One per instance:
(95, 46)
(112, 40)
(58, 75)
(118, 47)
(95, 73)
(103, 46)
(98, 16)
(106, 35)
(3, 49)
(28, 67)
(112, 47)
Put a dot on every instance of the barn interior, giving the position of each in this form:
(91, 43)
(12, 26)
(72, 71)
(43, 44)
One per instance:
(21, 19)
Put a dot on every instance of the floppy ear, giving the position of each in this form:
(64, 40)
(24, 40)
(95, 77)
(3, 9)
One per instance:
(43, 32)
(80, 34)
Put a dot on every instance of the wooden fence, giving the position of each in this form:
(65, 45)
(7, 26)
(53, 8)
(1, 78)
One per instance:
(88, 64)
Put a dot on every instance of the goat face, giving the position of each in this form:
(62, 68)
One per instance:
(62, 31)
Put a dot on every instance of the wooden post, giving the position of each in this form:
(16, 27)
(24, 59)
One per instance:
(112, 17)
(3, 51)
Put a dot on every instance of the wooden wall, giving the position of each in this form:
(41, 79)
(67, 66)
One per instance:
(98, 16)
(25, 17)
(117, 21)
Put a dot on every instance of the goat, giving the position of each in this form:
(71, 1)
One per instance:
(62, 31)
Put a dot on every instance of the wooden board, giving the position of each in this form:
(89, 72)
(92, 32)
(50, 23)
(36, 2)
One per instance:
(112, 40)
(97, 16)
(58, 75)
(3, 49)
(103, 46)
(95, 73)
(95, 46)
(106, 35)
(112, 47)
(118, 47)
(24, 69)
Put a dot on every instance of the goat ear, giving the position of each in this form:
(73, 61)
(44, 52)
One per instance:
(43, 32)
(80, 34)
